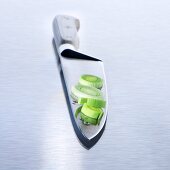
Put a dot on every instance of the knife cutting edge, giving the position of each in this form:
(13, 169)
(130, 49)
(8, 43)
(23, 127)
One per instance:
(84, 82)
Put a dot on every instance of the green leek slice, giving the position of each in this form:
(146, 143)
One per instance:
(78, 110)
(91, 80)
(99, 118)
(91, 115)
(80, 91)
(90, 111)
(88, 120)
(93, 102)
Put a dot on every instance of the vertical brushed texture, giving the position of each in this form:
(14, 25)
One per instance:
(133, 39)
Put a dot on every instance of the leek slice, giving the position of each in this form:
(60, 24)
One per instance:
(90, 111)
(91, 114)
(78, 110)
(93, 102)
(80, 91)
(91, 80)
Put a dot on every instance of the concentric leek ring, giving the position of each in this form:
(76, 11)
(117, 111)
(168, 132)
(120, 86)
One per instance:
(91, 114)
(88, 120)
(90, 111)
(93, 102)
(80, 91)
(91, 80)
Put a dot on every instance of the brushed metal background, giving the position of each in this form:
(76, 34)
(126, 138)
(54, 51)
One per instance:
(133, 39)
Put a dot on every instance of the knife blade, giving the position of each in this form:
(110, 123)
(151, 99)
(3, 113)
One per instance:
(73, 64)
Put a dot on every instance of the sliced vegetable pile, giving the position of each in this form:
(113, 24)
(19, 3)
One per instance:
(88, 94)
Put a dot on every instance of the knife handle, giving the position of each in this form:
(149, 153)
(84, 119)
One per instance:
(65, 30)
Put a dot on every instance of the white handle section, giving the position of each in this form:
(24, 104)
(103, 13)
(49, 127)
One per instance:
(65, 30)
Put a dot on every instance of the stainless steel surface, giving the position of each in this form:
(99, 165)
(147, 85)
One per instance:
(133, 39)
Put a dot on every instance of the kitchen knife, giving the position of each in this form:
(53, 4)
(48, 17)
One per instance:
(73, 65)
